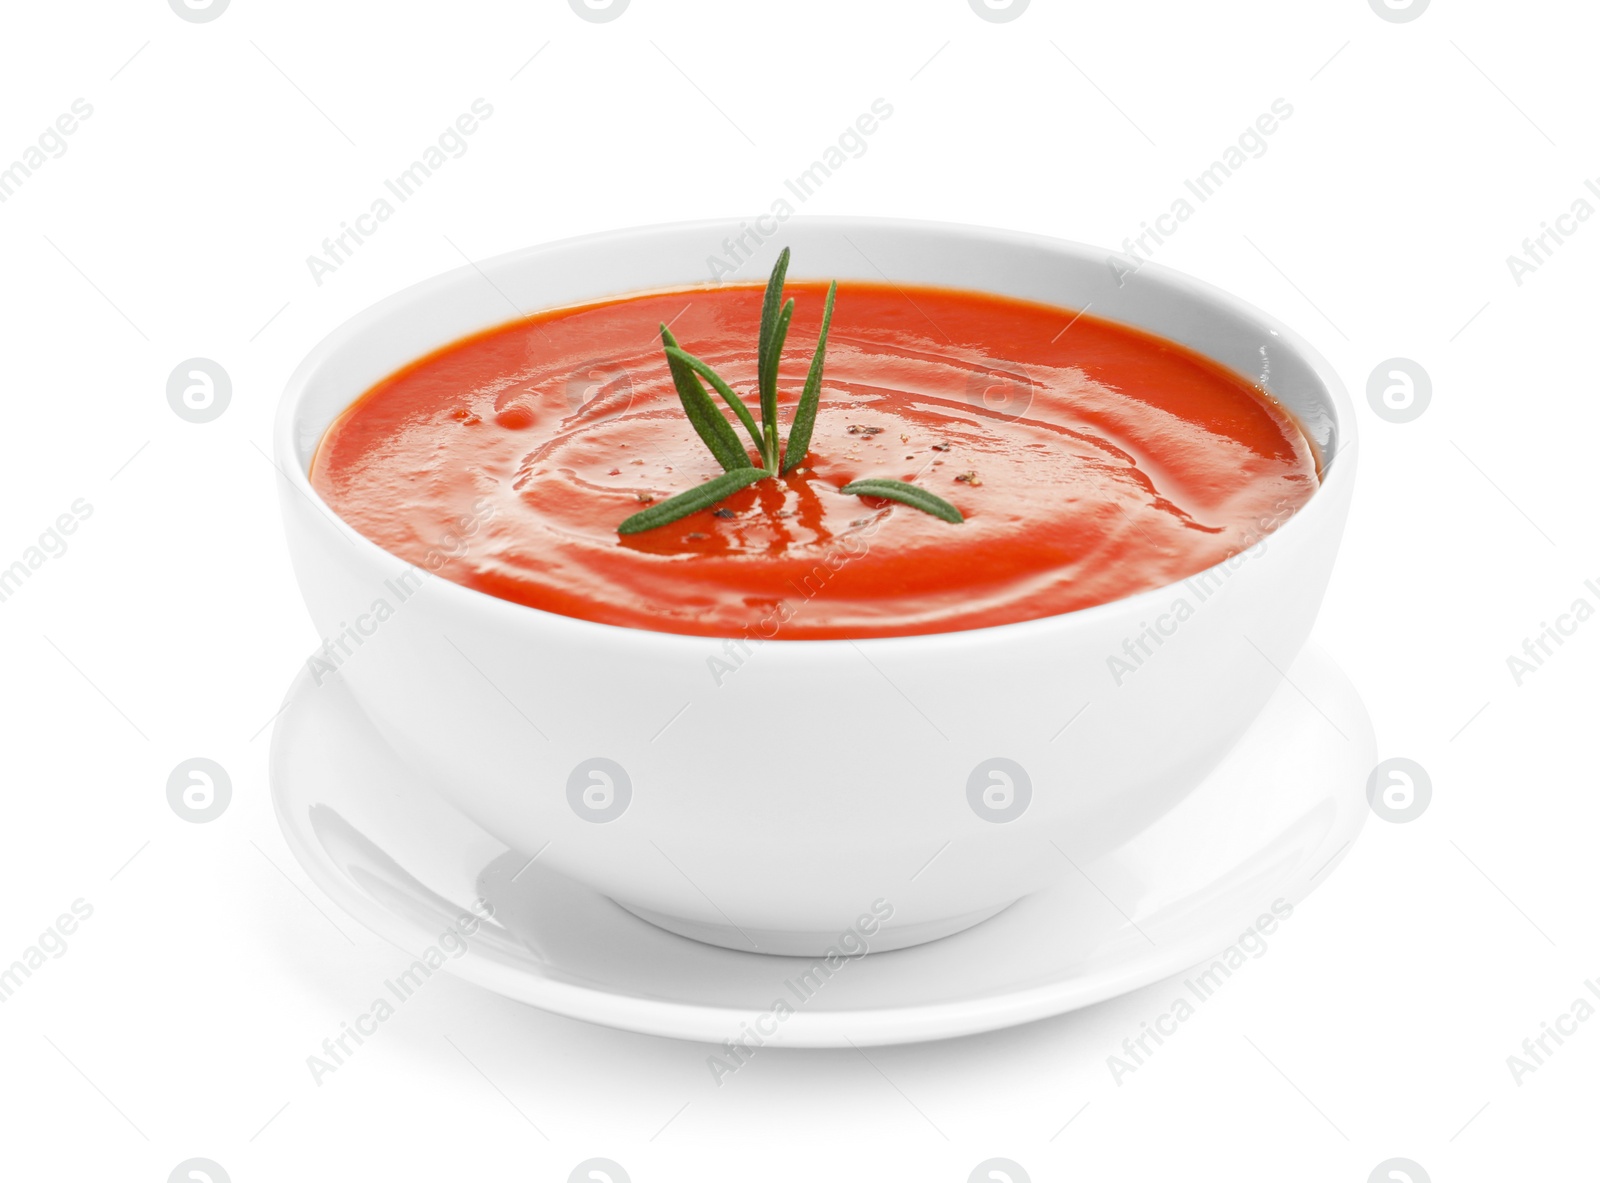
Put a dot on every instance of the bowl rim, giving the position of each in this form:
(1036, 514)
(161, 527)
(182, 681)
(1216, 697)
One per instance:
(1337, 470)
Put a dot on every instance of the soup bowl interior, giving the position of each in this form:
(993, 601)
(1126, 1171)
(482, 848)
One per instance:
(790, 796)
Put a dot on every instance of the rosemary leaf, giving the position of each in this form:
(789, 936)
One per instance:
(716, 432)
(771, 301)
(771, 305)
(912, 495)
(722, 388)
(805, 415)
(700, 497)
(769, 386)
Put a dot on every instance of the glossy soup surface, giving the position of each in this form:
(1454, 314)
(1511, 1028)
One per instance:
(1090, 460)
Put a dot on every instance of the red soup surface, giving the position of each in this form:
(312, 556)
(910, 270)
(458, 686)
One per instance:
(1090, 460)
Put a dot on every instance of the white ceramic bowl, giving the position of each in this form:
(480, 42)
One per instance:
(829, 794)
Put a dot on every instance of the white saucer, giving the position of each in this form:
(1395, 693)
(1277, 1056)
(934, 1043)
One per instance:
(407, 865)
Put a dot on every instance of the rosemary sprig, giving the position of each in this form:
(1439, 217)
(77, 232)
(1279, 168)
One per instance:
(720, 438)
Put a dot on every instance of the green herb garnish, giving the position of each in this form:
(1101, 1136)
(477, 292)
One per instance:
(722, 440)
(698, 498)
(905, 494)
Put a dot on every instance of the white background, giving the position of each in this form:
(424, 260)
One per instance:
(219, 155)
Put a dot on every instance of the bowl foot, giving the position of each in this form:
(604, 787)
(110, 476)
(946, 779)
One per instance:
(840, 941)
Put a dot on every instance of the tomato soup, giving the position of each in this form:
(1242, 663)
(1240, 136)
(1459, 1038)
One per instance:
(1089, 460)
